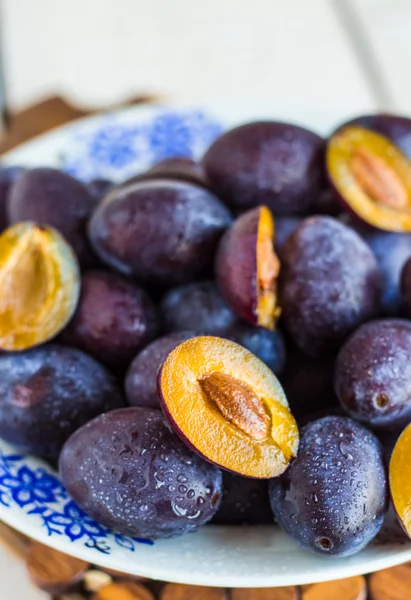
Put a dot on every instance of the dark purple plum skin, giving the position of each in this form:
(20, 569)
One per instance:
(163, 232)
(51, 197)
(49, 392)
(284, 227)
(391, 251)
(177, 167)
(127, 470)
(8, 177)
(329, 284)
(267, 345)
(333, 497)
(373, 374)
(198, 306)
(308, 383)
(276, 164)
(394, 127)
(405, 286)
(236, 265)
(245, 501)
(99, 188)
(114, 319)
(141, 378)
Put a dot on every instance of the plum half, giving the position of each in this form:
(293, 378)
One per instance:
(228, 407)
(247, 268)
(371, 176)
(40, 285)
(400, 480)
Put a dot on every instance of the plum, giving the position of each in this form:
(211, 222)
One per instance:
(373, 374)
(196, 306)
(391, 251)
(371, 177)
(399, 479)
(40, 285)
(47, 393)
(330, 283)
(245, 501)
(51, 197)
(162, 232)
(115, 318)
(276, 164)
(228, 407)
(247, 268)
(394, 127)
(127, 470)
(141, 378)
(267, 345)
(333, 497)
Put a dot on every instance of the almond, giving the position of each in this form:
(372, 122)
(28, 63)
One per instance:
(237, 402)
(378, 179)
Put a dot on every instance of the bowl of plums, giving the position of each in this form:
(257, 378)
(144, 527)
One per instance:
(205, 345)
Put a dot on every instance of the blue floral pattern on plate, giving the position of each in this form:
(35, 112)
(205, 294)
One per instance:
(118, 148)
(41, 494)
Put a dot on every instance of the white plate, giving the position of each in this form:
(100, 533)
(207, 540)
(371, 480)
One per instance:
(32, 499)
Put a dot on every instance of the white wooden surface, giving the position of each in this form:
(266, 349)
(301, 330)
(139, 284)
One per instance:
(301, 59)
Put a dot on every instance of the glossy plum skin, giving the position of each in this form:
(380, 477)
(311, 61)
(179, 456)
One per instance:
(245, 501)
(405, 286)
(396, 128)
(8, 176)
(162, 232)
(333, 497)
(51, 197)
(391, 251)
(267, 345)
(49, 392)
(373, 374)
(197, 306)
(329, 284)
(141, 378)
(275, 164)
(114, 319)
(127, 470)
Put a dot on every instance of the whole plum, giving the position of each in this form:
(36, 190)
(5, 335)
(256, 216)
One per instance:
(49, 392)
(333, 497)
(127, 470)
(267, 163)
(267, 345)
(115, 318)
(162, 232)
(198, 306)
(329, 284)
(373, 374)
(8, 176)
(51, 197)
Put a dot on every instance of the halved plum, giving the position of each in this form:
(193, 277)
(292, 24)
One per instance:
(247, 268)
(371, 176)
(228, 407)
(400, 480)
(40, 284)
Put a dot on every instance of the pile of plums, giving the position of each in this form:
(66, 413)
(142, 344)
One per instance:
(226, 340)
